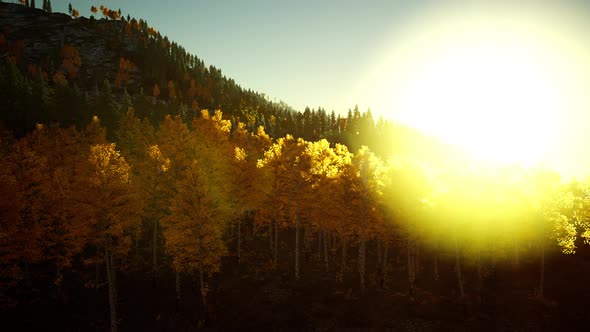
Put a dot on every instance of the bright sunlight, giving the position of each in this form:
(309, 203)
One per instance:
(506, 90)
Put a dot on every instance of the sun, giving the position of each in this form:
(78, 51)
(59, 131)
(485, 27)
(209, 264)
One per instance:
(507, 88)
(487, 96)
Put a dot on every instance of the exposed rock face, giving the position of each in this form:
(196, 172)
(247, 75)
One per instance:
(99, 42)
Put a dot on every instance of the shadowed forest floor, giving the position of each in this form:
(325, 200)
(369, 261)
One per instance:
(238, 300)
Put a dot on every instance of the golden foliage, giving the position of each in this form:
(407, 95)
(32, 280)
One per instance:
(108, 165)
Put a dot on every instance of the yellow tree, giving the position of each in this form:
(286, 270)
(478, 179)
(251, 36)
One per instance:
(113, 203)
(317, 167)
(22, 181)
(369, 169)
(340, 201)
(582, 212)
(174, 149)
(300, 158)
(277, 161)
(246, 197)
(135, 139)
(193, 230)
(64, 232)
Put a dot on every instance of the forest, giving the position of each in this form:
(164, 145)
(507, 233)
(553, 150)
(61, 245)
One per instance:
(150, 192)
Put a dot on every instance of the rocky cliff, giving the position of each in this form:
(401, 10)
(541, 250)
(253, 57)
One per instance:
(42, 36)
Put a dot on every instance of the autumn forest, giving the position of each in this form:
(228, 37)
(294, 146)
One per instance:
(143, 190)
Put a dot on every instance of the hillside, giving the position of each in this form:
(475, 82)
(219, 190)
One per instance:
(130, 55)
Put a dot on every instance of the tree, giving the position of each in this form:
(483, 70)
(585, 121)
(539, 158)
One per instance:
(112, 201)
(276, 162)
(246, 196)
(22, 213)
(171, 90)
(368, 168)
(194, 227)
(156, 91)
(63, 232)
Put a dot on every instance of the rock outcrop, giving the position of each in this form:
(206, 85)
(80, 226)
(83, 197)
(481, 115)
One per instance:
(100, 43)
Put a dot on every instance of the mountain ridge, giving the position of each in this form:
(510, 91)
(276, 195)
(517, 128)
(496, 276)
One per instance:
(34, 38)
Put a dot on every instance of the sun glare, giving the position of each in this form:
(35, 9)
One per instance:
(487, 98)
(507, 89)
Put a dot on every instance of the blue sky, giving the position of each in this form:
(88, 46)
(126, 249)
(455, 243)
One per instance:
(302, 52)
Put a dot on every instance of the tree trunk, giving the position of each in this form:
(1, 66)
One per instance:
(435, 267)
(334, 244)
(108, 258)
(254, 227)
(203, 290)
(343, 260)
(97, 276)
(479, 272)
(276, 248)
(297, 238)
(417, 257)
(239, 239)
(458, 270)
(411, 266)
(155, 254)
(326, 250)
(385, 265)
(540, 292)
(362, 247)
(137, 253)
(58, 288)
(305, 240)
(178, 293)
(378, 243)
(270, 237)
(320, 244)
(27, 272)
(231, 229)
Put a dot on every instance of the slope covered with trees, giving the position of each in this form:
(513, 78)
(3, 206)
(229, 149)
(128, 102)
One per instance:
(152, 210)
